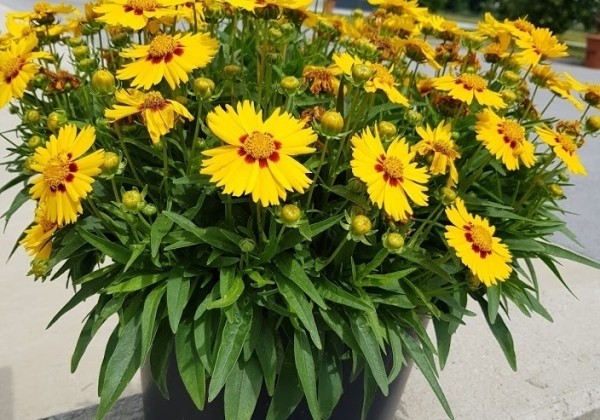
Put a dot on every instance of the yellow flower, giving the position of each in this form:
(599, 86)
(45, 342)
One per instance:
(468, 86)
(505, 139)
(43, 11)
(158, 114)
(439, 143)
(66, 176)
(167, 57)
(38, 237)
(473, 240)
(391, 176)
(420, 51)
(591, 92)
(402, 7)
(381, 78)
(564, 146)
(539, 45)
(542, 75)
(135, 14)
(17, 68)
(258, 159)
(322, 80)
(250, 5)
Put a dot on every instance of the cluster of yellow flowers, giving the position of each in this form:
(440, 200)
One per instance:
(160, 51)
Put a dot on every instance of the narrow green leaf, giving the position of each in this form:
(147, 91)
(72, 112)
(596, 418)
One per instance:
(493, 296)
(189, 364)
(367, 341)
(417, 355)
(85, 337)
(211, 236)
(149, 312)
(443, 338)
(109, 271)
(161, 226)
(136, 251)
(288, 392)
(159, 357)
(232, 342)
(333, 293)
(242, 390)
(369, 389)
(203, 340)
(305, 366)
(427, 263)
(329, 383)
(115, 251)
(178, 288)
(138, 282)
(560, 252)
(292, 269)
(230, 297)
(502, 334)
(267, 356)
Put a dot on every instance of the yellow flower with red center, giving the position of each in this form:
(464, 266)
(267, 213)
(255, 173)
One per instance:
(38, 237)
(391, 176)
(258, 159)
(467, 87)
(43, 11)
(505, 139)
(158, 114)
(17, 68)
(438, 141)
(168, 57)
(66, 175)
(473, 240)
(564, 146)
(539, 45)
(380, 79)
(135, 14)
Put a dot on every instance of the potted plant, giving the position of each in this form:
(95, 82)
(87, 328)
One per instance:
(272, 201)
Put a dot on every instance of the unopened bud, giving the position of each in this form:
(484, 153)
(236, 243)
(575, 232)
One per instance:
(74, 41)
(447, 195)
(131, 199)
(204, 87)
(509, 96)
(510, 77)
(290, 84)
(386, 129)
(80, 52)
(247, 245)
(32, 116)
(111, 162)
(103, 81)
(232, 71)
(290, 213)
(39, 267)
(332, 123)
(149, 210)
(361, 73)
(87, 65)
(556, 191)
(394, 241)
(361, 225)
(56, 120)
(414, 117)
(34, 141)
(593, 123)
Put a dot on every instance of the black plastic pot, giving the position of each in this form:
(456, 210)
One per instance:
(180, 405)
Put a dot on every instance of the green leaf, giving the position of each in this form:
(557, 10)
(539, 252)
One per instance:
(159, 357)
(232, 342)
(21, 198)
(305, 366)
(85, 337)
(397, 354)
(560, 252)
(117, 252)
(161, 226)
(178, 288)
(291, 268)
(122, 365)
(333, 293)
(189, 364)
(231, 296)
(242, 390)
(502, 334)
(138, 282)
(524, 245)
(369, 389)
(350, 195)
(211, 236)
(149, 312)
(136, 251)
(417, 355)
(427, 263)
(444, 338)
(267, 356)
(300, 305)
(367, 341)
(288, 392)
(109, 271)
(493, 295)
(330, 383)
(203, 339)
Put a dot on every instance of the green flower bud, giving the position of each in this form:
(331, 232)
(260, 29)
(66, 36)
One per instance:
(27, 164)
(247, 245)
(34, 141)
(103, 81)
(394, 241)
(592, 98)
(204, 87)
(39, 81)
(509, 96)
(120, 39)
(357, 13)
(386, 129)
(563, 176)
(39, 267)
(447, 195)
(556, 191)
(111, 162)
(473, 281)
(131, 199)
(510, 77)
(593, 123)
(80, 52)
(232, 71)
(332, 123)
(149, 210)
(414, 117)
(56, 120)
(290, 84)
(87, 65)
(32, 116)
(360, 225)
(290, 213)
(361, 73)
(74, 41)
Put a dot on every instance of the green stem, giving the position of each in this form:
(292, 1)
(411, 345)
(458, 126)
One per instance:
(335, 253)
(434, 214)
(196, 131)
(317, 172)
(127, 155)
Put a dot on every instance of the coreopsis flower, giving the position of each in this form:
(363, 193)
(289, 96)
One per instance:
(402, 7)
(168, 57)
(38, 237)
(380, 77)
(542, 75)
(158, 114)
(564, 146)
(391, 176)
(539, 45)
(17, 68)
(322, 80)
(135, 14)
(257, 159)
(43, 12)
(473, 240)
(438, 142)
(519, 28)
(591, 92)
(66, 175)
(505, 139)
(420, 51)
(250, 5)
(468, 86)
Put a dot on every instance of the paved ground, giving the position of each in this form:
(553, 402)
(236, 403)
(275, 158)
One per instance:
(559, 363)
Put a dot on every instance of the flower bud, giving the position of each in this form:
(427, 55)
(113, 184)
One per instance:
(361, 73)
(56, 120)
(357, 13)
(414, 117)
(32, 116)
(39, 267)
(34, 141)
(27, 164)
(74, 41)
(593, 123)
(563, 176)
(509, 96)
(103, 81)
(247, 245)
(473, 281)
(149, 210)
(39, 81)
(290, 84)
(510, 77)
(204, 87)
(87, 65)
(394, 241)
(332, 123)
(386, 129)
(131, 199)
(447, 195)
(361, 225)
(290, 213)
(232, 71)
(119, 39)
(275, 34)
(592, 98)
(80, 52)
(556, 191)
(111, 162)
(356, 185)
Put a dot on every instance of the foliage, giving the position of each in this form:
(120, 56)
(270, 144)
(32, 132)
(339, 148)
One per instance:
(359, 181)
